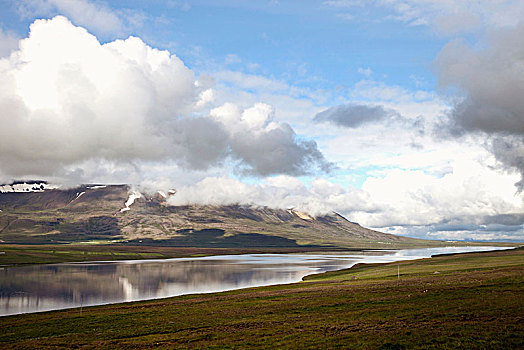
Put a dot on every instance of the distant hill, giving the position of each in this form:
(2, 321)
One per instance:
(115, 214)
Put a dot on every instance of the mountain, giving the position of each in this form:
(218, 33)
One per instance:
(39, 213)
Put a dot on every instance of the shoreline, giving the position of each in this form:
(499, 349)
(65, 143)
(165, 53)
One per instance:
(25, 255)
(370, 265)
(31, 254)
(306, 278)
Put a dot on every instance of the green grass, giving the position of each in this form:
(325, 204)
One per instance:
(475, 301)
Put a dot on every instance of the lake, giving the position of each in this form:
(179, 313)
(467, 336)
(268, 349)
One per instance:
(58, 286)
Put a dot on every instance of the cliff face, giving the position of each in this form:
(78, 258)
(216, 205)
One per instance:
(114, 214)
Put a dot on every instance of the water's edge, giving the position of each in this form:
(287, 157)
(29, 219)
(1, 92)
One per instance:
(150, 279)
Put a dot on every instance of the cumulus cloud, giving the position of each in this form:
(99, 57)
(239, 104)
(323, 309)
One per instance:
(472, 199)
(491, 82)
(470, 189)
(284, 192)
(66, 99)
(354, 115)
(265, 146)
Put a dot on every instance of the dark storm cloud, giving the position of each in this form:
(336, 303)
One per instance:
(354, 115)
(278, 151)
(492, 83)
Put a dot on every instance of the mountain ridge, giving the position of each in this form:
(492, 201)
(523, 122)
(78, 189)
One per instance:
(115, 214)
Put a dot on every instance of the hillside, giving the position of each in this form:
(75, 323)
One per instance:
(115, 214)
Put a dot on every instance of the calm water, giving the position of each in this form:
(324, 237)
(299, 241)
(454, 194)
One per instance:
(59, 286)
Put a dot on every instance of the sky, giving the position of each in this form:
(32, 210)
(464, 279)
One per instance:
(405, 116)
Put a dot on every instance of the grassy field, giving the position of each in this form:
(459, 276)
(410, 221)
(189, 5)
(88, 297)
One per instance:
(468, 301)
(11, 254)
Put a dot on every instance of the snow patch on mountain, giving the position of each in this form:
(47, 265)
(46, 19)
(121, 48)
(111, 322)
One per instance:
(134, 195)
(78, 195)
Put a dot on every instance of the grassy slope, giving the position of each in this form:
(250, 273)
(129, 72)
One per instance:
(41, 227)
(475, 300)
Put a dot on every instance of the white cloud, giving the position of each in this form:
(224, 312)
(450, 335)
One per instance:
(292, 105)
(365, 71)
(64, 88)
(250, 81)
(182, 5)
(232, 59)
(206, 98)
(282, 192)
(469, 190)
(96, 16)
(66, 98)
(265, 146)
(445, 16)
(468, 199)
